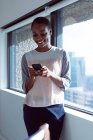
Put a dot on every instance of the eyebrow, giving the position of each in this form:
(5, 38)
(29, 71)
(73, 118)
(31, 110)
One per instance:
(43, 30)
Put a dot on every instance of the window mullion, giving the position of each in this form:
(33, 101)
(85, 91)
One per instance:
(56, 24)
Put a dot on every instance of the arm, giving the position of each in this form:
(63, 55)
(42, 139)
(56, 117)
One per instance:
(29, 83)
(62, 81)
(27, 80)
(66, 71)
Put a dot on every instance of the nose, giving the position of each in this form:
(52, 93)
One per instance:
(39, 37)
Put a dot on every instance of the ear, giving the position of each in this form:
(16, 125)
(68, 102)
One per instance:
(50, 32)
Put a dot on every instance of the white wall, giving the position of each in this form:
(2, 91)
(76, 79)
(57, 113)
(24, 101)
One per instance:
(13, 9)
(11, 117)
(76, 127)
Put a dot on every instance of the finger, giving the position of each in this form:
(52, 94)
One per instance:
(44, 67)
(45, 73)
(31, 71)
(37, 73)
(30, 68)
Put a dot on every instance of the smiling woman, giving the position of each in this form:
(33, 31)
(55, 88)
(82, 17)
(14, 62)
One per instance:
(44, 88)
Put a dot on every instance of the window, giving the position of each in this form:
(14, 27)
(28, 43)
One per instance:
(77, 39)
(20, 41)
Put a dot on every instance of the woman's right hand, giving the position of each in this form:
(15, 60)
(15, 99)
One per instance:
(33, 72)
(30, 81)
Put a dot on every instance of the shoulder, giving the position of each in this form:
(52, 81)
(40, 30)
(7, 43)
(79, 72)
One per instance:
(25, 57)
(60, 51)
(28, 54)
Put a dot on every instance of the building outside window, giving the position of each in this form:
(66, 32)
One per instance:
(77, 40)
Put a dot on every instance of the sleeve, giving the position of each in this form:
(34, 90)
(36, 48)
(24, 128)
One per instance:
(66, 72)
(25, 73)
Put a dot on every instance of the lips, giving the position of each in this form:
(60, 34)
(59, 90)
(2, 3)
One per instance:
(40, 42)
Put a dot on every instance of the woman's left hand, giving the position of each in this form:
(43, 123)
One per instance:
(45, 72)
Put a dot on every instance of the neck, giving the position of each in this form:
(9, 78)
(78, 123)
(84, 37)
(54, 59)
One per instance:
(43, 49)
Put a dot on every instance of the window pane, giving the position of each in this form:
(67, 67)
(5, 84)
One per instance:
(20, 42)
(77, 40)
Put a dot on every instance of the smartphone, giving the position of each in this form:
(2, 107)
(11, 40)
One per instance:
(37, 66)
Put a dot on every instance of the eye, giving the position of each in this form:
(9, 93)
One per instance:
(43, 34)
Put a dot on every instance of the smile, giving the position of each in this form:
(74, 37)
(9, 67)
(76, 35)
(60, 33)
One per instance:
(40, 42)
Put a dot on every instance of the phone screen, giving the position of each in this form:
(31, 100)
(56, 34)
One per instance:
(37, 66)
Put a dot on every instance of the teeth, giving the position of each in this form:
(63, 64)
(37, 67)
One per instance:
(40, 42)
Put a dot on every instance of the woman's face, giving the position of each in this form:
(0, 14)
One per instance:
(41, 35)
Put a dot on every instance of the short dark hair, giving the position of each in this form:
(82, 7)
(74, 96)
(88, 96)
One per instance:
(41, 20)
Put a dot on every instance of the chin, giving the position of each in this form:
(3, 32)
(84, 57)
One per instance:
(42, 46)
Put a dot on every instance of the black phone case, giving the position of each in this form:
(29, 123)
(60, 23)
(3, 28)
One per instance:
(37, 66)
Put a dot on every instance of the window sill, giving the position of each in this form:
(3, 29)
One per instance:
(79, 114)
(13, 92)
(70, 111)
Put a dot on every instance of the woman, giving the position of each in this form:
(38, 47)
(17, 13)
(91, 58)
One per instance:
(44, 88)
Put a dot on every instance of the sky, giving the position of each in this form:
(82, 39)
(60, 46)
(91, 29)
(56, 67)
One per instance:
(78, 38)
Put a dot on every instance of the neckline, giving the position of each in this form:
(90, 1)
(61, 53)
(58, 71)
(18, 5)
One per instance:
(45, 51)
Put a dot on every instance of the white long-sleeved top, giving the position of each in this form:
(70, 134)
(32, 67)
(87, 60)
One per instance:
(44, 91)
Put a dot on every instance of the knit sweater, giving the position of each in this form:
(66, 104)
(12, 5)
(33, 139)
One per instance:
(44, 91)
